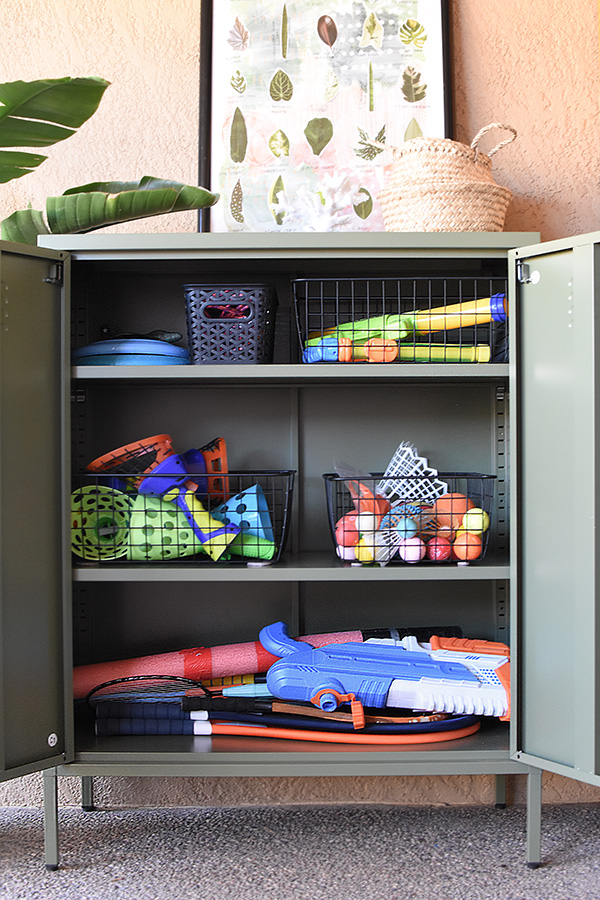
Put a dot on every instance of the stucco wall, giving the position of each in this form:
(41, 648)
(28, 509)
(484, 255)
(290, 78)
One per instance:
(147, 122)
(533, 65)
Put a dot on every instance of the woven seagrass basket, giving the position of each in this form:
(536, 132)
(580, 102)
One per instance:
(441, 185)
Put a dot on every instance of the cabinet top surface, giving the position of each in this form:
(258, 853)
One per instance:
(338, 243)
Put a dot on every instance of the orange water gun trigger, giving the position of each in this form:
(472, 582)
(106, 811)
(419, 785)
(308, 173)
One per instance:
(329, 695)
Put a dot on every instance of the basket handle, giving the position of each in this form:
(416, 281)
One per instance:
(499, 146)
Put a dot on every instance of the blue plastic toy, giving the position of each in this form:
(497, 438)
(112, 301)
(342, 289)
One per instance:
(446, 675)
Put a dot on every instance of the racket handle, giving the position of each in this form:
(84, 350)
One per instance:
(212, 534)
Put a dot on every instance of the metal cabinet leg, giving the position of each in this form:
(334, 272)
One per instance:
(87, 793)
(534, 818)
(50, 782)
(500, 801)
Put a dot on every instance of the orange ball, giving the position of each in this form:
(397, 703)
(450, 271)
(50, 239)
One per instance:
(449, 509)
(467, 545)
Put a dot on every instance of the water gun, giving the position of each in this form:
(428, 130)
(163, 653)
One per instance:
(377, 336)
(453, 675)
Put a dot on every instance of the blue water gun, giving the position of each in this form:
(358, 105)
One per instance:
(454, 675)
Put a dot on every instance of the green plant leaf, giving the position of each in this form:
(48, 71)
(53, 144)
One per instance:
(284, 32)
(41, 113)
(318, 134)
(238, 140)
(364, 209)
(276, 188)
(413, 130)
(98, 204)
(101, 203)
(23, 226)
(238, 82)
(412, 32)
(332, 86)
(412, 88)
(372, 33)
(236, 204)
(281, 87)
(279, 143)
(365, 149)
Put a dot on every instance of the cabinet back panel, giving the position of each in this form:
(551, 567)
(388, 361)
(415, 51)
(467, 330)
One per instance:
(443, 423)
(471, 606)
(253, 420)
(134, 620)
(140, 296)
(124, 620)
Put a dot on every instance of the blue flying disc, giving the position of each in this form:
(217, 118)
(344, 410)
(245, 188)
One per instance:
(131, 352)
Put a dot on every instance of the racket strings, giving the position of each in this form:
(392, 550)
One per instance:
(139, 688)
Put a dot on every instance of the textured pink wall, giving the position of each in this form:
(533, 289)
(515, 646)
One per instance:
(530, 63)
(533, 64)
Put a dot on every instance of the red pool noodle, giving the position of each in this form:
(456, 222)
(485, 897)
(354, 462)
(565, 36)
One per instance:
(197, 663)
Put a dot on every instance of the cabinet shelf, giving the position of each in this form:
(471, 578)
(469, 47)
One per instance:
(296, 373)
(485, 752)
(302, 567)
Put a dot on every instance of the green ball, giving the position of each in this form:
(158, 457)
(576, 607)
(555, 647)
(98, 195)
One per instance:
(476, 520)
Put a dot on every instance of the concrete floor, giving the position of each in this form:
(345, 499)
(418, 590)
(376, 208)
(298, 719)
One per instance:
(302, 853)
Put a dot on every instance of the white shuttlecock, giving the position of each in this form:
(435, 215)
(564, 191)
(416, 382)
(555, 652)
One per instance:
(409, 476)
(382, 545)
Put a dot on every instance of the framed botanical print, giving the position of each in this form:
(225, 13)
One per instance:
(302, 99)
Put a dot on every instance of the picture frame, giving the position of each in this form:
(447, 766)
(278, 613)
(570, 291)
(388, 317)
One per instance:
(302, 101)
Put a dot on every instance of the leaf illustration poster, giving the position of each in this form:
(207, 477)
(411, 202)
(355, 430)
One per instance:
(300, 90)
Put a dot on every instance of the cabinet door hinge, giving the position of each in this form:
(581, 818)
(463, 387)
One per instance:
(525, 275)
(55, 274)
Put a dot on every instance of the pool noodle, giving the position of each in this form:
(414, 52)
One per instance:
(196, 663)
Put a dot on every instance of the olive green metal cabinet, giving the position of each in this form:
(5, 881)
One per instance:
(536, 586)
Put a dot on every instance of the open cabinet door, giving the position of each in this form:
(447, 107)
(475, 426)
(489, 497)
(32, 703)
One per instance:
(555, 462)
(35, 720)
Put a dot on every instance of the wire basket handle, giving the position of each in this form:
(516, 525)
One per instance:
(499, 146)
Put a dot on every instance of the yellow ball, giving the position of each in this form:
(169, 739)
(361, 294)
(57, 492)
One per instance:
(364, 550)
(476, 520)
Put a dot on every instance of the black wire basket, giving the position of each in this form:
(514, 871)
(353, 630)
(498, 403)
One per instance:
(401, 320)
(119, 520)
(377, 519)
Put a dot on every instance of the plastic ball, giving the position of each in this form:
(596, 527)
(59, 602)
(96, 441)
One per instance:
(412, 550)
(364, 550)
(404, 525)
(346, 531)
(367, 522)
(348, 554)
(449, 509)
(438, 549)
(467, 545)
(476, 520)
